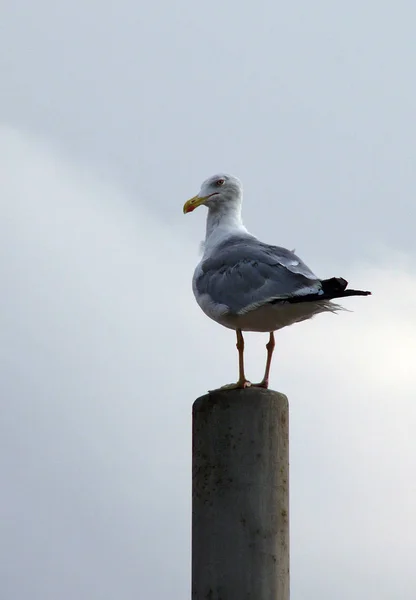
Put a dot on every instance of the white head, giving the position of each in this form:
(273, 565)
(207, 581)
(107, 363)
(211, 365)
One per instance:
(219, 191)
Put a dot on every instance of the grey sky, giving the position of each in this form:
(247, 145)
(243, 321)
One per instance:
(112, 117)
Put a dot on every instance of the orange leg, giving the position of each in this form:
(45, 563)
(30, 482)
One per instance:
(270, 347)
(242, 381)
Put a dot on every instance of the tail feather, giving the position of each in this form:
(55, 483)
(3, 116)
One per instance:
(331, 288)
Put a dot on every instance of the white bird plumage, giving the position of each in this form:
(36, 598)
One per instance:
(247, 285)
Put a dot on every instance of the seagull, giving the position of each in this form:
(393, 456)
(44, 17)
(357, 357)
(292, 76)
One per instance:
(247, 285)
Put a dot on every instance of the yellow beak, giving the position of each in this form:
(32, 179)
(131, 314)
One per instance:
(193, 203)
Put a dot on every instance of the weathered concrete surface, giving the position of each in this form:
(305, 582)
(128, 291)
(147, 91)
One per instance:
(240, 496)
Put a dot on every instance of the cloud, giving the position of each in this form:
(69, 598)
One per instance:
(93, 400)
(103, 351)
(353, 448)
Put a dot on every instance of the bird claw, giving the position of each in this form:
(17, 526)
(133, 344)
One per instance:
(240, 385)
(263, 384)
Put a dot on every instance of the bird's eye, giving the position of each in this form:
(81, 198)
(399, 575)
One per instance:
(220, 182)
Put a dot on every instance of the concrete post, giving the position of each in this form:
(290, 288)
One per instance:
(240, 496)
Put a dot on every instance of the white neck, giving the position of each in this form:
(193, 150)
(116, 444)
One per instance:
(221, 222)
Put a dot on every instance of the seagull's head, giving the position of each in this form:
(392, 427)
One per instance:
(216, 192)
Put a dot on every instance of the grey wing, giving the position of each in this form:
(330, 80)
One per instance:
(243, 274)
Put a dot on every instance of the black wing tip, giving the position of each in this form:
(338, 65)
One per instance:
(332, 288)
(347, 293)
(357, 293)
(338, 286)
(334, 285)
